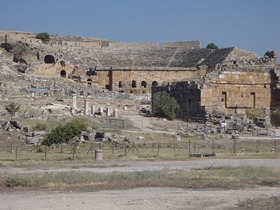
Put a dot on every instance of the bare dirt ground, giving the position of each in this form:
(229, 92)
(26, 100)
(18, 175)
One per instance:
(137, 199)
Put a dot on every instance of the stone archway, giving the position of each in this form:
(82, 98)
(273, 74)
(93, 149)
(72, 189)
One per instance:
(144, 84)
(63, 73)
(89, 82)
(49, 59)
(154, 83)
(120, 84)
(133, 84)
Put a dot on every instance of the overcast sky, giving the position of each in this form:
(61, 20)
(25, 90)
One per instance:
(252, 25)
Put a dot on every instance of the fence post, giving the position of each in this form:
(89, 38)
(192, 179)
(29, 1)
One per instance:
(61, 151)
(275, 145)
(174, 147)
(234, 146)
(133, 148)
(16, 152)
(190, 151)
(213, 146)
(257, 145)
(45, 152)
(113, 148)
(74, 151)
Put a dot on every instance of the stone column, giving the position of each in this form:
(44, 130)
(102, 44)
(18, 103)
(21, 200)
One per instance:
(108, 112)
(86, 106)
(74, 101)
(115, 113)
(101, 110)
(92, 109)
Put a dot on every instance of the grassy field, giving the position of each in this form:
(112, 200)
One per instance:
(162, 148)
(226, 178)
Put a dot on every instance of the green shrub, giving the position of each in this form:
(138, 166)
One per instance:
(62, 63)
(43, 36)
(164, 105)
(63, 133)
(253, 113)
(12, 108)
(18, 181)
(212, 46)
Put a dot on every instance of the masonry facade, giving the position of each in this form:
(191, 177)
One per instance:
(228, 90)
(205, 82)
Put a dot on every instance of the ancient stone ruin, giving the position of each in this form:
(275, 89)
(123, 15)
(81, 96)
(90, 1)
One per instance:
(206, 82)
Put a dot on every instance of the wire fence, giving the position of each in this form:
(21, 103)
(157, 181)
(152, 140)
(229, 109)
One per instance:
(10, 151)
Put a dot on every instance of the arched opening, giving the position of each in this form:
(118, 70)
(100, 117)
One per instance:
(63, 73)
(144, 84)
(49, 59)
(133, 85)
(89, 82)
(120, 84)
(154, 83)
(107, 87)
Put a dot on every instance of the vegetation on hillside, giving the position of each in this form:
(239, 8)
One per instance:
(253, 113)
(212, 46)
(12, 108)
(45, 37)
(63, 133)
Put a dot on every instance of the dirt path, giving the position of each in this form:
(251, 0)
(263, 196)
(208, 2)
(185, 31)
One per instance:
(139, 198)
(134, 166)
(136, 199)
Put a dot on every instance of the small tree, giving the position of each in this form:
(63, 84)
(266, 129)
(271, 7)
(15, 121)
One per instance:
(45, 37)
(253, 113)
(62, 63)
(212, 46)
(63, 133)
(164, 105)
(12, 108)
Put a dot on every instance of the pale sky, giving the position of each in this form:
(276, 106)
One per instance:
(252, 25)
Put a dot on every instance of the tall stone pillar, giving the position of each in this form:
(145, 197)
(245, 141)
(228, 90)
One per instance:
(74, 101)
(86, 106)
(101, 110)
(108, 112)
(115, 113)
(92, 109)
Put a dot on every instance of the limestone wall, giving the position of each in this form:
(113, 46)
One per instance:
(236, 92)
(141, 80)
(186, 44)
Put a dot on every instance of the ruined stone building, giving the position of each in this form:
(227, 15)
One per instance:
(237, 82)
(204, 81)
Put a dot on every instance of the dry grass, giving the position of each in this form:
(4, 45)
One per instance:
(225, 178)
(163, 148)
(272, 203)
